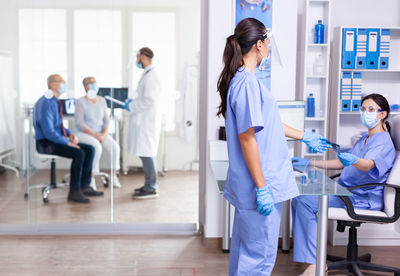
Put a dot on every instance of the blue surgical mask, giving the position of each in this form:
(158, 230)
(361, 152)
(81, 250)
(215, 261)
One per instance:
(139, 65)
(263, 64)
(368, 119)
(63, 88)
(94, 87)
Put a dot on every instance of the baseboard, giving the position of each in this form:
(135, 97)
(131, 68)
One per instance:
(368, 241)
(217, 242)
(100, 229)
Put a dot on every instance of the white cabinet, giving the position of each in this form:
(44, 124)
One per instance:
(315, 70)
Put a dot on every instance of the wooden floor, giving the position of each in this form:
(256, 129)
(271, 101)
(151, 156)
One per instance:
(139, 255)
(178, 201)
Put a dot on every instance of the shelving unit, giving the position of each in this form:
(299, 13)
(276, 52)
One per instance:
(344, 125)
(311, 81)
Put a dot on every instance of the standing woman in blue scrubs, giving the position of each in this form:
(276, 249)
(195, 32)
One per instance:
(260, 174)
(369, 161)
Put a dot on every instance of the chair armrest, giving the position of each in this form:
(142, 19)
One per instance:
(355, 216)
(373, 185)
(335, 176)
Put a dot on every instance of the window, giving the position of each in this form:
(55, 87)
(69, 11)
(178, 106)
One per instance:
(42, 49)
(97, 48)
(148, 32)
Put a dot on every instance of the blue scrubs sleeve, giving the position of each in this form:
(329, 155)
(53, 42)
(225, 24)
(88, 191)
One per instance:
(246, 105)
(383, 156)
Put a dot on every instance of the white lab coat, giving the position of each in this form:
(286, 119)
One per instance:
(145, 116)
(186, 105)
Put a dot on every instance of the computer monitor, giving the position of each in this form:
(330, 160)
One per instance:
(292, 113)
(120, 94)
(68, 106)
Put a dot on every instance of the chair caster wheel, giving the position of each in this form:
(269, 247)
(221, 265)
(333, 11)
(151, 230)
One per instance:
(45, 194)
(105, 182)
(26, 195)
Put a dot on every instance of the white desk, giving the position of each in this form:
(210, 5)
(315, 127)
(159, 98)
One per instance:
(322, 186)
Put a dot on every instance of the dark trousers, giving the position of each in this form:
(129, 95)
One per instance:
(82, 160)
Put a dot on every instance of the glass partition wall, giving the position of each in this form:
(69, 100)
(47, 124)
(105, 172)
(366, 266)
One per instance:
(96, 49)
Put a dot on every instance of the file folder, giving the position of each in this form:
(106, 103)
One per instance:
(384, 49)
(349, 48)
(373, 43)
(345, 91)
(356, 91)
(361, 52)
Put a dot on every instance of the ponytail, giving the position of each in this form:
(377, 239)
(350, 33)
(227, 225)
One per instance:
(247, 32)
(387, 126)
(233, 60)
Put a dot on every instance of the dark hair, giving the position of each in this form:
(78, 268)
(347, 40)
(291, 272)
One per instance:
(383, 104)
(147, 52)
(247, 32)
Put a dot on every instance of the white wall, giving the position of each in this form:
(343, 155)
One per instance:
(179, 153)
(282, 84)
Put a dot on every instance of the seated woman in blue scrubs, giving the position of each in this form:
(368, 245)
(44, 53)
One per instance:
(369, 161)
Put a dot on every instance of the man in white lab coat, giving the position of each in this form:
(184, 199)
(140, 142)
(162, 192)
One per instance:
(145, 123)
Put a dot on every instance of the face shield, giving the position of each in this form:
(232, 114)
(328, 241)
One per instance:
(273, 49)
(133, 60)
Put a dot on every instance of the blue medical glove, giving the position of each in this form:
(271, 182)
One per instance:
(126, 106)
(347, 159)
(265, 202)
(300, 163)
(315, 141)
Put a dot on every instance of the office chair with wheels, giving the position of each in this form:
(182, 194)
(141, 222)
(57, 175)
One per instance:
(352, 218)
(46, 188)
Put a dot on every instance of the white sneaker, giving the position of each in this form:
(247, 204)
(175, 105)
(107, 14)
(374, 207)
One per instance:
(93, 184)
(116, 182)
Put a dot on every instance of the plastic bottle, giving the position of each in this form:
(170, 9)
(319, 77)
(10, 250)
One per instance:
(310, 150)
(319, 33)
(310, 105)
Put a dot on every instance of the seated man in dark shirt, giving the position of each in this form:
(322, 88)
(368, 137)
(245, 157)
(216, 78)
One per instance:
(53, 138)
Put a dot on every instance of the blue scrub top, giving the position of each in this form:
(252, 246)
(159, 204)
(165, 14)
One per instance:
(380, 149)
(250, 104)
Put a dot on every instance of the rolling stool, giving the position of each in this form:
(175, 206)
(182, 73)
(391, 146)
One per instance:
(46, 188)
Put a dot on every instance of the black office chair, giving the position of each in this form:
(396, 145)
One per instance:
(352, 218)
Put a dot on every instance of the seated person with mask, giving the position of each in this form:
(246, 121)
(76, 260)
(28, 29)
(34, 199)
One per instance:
(369, 161)
(53, 138)
(91, 119)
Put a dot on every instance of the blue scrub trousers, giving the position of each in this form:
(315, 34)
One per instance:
(150, 173)
(254, 242)
(304, 212)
